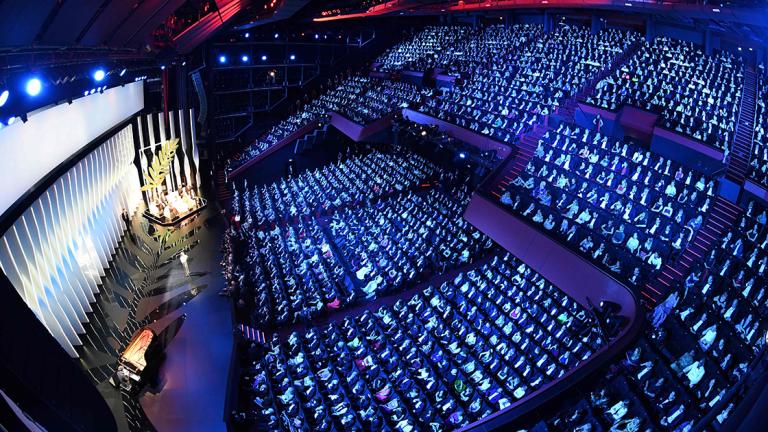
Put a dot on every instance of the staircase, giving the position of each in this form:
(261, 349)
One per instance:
(309, 140)
(569, 107)
(526, 146)
(722, 216)
(223, 190)
(738, 164)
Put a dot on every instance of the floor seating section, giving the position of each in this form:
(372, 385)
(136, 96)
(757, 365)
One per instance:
(448, 356)
(395, 242)
(321, 191)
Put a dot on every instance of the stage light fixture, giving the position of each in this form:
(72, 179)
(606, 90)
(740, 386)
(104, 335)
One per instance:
(277, 35)
(244, 58)
(317, 36)
(122, 72)
(99, 75)
(85, 93)
(222, 59)
(264, 58)
(462, 155)
(162, 67)
(34, 86)
(4, 97)
(92, 91)
(293, 57)
(11, 120)
(247, 35)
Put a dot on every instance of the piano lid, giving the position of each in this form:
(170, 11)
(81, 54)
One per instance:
(134, 352)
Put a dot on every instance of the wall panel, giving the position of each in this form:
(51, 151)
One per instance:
(55, 253)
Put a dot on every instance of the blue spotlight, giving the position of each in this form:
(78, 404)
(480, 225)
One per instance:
(293, 56)
(85, 93)
(247, 35)
(11, 120)
(462, 155)
(4, 97)
(122, 72)
(162, 67)
(277, 35)
(99, 75)
(222, 59)
(34, 86)
(317, 36)
(244, 58)
(264, 58)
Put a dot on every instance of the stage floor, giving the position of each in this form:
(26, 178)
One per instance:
(193, 378)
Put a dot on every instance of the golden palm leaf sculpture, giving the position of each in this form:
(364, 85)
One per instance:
(161, 165)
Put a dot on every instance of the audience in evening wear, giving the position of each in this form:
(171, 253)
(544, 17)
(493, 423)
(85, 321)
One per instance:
(440, 360)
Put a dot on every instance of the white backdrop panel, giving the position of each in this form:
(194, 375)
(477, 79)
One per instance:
(33, 149)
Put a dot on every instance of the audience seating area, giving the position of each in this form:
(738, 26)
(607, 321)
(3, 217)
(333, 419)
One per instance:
(702, 344)
(538, 72)
(624, 208)
(759, 159)
(380, 99)
(420, 52)
(409, 237)
(375, 232)
(321, 191)
(695, 94)
(442, 359)
(360, 98)
(279, 257)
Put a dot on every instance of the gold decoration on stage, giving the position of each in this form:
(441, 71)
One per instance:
(161, 165)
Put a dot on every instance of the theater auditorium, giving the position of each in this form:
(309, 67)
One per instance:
(383, 215)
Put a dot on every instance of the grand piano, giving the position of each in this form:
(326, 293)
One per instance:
(139, 362)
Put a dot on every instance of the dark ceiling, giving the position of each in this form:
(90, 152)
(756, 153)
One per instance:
(89, 23)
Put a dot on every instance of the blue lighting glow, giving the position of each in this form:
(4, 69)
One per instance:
(222, 59)
(277, 35)
(11, 121)
(462, 155)
(264, 58)
(4, 97)
(247, 35)
(99, 75)
(244, 58)
(293, 56)
(122, 72)
(33, 87)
